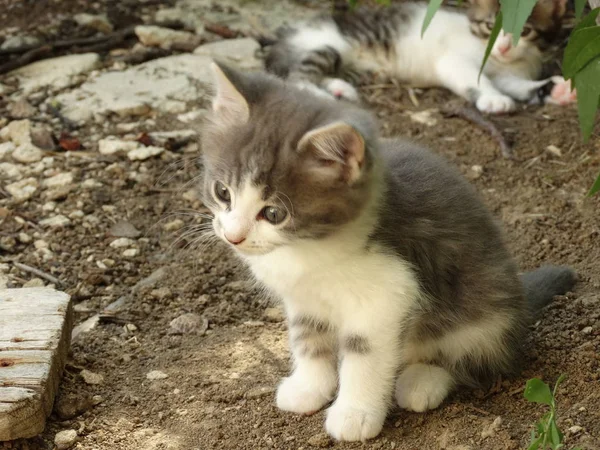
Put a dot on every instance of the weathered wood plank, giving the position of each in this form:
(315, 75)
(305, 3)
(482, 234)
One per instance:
(35, 331)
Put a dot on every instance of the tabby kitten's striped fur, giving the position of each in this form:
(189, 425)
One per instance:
(388, 41)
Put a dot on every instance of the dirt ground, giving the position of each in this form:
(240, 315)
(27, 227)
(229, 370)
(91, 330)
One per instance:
(217, 391)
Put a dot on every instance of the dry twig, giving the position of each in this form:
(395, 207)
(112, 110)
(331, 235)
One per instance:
(37, 272)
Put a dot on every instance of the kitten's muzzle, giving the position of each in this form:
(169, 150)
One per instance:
(234, 239)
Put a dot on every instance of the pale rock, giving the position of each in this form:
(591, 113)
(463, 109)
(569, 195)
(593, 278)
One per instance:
(77, 214)
(49, 206)
(40, 244)
(491, 429)
(9, 171)
(17, 131)
(139, 89)
(131, 252)
(24, 238)
(112, 145)
(575, 429)
(189, 323)
(153, 36)
(124, 229)
(241, 51)
(95, 21)
(6, 148)
(34, 283)
(91, 377)
(91, 183)
(22, 190)
(587, 330)
(128, 127)
(173, 225)
(22, 109)
(425, 117)
(14, 42)
(143, 153)
(27, 154)
(122, 242)
(156, 375)
(56, 72)
(65, 439)
(57, 221)
(554, 150)
(59, 180)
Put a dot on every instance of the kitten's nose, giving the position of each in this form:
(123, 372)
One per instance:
(235, 240)
(504, 49)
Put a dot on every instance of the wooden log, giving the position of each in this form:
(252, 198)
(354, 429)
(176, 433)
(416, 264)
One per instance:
(35, 331)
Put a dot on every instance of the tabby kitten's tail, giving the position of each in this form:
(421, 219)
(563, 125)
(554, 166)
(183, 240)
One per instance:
(542, 284)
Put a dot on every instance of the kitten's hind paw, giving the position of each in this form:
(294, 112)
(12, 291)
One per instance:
(495, 103)
(346, 423)
(561, 93)
(421, 387)
(297, 395)
(340, 89)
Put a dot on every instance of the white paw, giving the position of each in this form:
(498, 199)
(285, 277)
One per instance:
(561, 93)
(421, 387)
(340, 89)
(305, 85)
(495, 103)
(346, 423)
(300, 396)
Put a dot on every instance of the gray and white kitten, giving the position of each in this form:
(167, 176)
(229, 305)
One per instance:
(394, 276)
(388, 40)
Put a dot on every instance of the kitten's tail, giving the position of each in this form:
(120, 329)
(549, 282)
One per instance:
(542, 284)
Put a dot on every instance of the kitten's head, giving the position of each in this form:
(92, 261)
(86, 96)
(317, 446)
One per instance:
(282, 163)
(539, 33)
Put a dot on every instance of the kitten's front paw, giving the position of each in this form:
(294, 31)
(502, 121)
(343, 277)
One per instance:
(495, 103)
(421, 387)
(340, 89)
(296, 395)
(346, 423)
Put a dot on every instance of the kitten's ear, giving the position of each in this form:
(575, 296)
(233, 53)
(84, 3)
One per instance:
(337, 148)
(560, 8)
(228, 103)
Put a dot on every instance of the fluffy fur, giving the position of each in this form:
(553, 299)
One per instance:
(388, 41)
(394, 276)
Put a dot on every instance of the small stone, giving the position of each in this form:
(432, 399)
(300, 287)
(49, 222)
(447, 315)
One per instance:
(321, 440)
(174, 225)
(124, 229)
(27, 153)
(161, 293)
(490, 430)
(131, 252)
(143, 153)
(153, 36)
(156, 375)
(21, 109)
(259, 392)
(587, 330)
(34, 283)
(6, 148)
(14, 42)
(111, 145)
(70, 405)
(130, 327)
(55, 221)
(65, 439)
(425, 117)
(8, 170)
(97, 22)
(475, 172)
(7, 243)
(97, 399)
(91, 378)
(274, 314)
(554, 150)
(91, 183)
(22, 190)
(17, 131)
(254, 323)
(575, 429)
(42, 138)
(122, 242)
(58, 180)
(24, 238)
(189, 323)
(58, 192)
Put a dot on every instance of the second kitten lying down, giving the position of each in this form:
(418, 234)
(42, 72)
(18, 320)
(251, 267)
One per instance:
(395, 277)
(388, 40)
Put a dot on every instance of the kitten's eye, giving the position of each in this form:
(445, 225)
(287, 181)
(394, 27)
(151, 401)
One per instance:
(489, 26)
(528, 32)
(273, 214)
(222, 192)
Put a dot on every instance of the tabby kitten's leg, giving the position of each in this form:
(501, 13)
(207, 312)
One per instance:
(314, 380)
(423, 386)
(370, 359)
(460, 75)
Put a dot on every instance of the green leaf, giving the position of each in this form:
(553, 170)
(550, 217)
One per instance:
(535, 445)
(588, 96)
(432, 8)
(587, 21)
(595, 188)
(537, 391)
(579, 5)
(516, 13)
(493, 36)
(559, 381)
(555, 434)
(584, 46)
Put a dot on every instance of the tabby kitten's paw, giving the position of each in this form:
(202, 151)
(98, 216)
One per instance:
(340, 89)
(561, 93)
(495, 103)
(346, 423)
(300, 396)
(421, 387)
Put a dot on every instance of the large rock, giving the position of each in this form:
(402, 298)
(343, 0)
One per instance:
(242, 52)
(56, 72)
(140, 89)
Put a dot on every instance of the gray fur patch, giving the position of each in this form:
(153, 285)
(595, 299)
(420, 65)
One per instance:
(356, 343)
